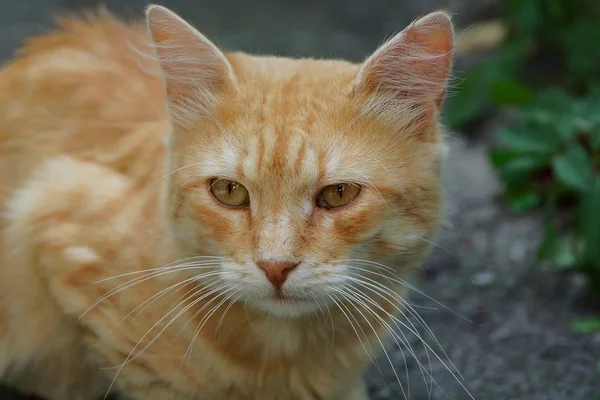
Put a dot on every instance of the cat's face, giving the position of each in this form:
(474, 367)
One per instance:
(301, 173)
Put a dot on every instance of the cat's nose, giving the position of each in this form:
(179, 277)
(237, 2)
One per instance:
(277, 272)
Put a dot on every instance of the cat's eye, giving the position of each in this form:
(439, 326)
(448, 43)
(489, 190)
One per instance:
(338, 195)
(230, 193)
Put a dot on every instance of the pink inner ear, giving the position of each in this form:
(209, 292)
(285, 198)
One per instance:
(190, 62)
(415, 64)
(433, 33)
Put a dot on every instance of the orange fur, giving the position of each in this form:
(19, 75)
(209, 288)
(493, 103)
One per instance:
(102, 175)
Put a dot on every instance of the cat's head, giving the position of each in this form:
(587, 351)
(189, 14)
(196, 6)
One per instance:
(303, 175)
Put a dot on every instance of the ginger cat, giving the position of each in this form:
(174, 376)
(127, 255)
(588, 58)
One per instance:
(183, 223)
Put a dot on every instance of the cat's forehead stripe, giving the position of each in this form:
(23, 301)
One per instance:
(270, 154)
(268, 157)
(296, 148)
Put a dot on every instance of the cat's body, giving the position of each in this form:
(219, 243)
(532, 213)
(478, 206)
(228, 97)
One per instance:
(90, 189)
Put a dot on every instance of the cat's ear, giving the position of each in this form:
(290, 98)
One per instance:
(411, 70)
(195, 70)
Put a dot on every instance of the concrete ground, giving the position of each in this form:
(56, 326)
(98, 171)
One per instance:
(518, 345)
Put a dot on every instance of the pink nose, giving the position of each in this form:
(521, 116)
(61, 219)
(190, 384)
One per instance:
(277, 272)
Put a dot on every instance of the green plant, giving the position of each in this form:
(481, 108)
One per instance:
(587, 325)
(550, 158)
(559, 38)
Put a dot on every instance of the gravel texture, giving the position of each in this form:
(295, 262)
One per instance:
(508, 332)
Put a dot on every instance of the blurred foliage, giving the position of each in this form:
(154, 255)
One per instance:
(549, 42)
(548, 70)
(586, 325)
(550, 158)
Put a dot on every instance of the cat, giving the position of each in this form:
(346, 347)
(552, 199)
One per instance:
(184, 223)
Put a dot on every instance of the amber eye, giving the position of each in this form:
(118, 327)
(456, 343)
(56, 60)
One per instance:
(230, 193)
(338, 195)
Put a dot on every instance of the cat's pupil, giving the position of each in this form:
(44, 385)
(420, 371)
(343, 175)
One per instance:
(340, 190)
(230, 187)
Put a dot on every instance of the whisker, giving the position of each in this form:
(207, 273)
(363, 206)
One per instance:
(434, 353)
(130, 356)
(445, 250)
(354, 299)
(332, 323)
(413, 312)
(185, 261)
(321, 312)
(421, 307)
(232, 292)
(405, 342)
(186, 282)
(372, 186)
(155, 297)
(372, 283)
(212, 292)
(169, 312)
(340, 305)
(231, 303)
(393, 334)
(397, 279)
(380, 266)
(144, 278)
(179, 169)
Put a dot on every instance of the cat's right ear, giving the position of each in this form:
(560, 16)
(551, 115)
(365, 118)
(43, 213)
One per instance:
(405, 79)
(195, 70)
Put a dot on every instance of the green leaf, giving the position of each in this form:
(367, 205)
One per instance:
(595, 138)
(523, 201)
(573, 167)
(554, 99)
(586, 325)
(590, 221)
(470, 99)
(519, 171)
(534, 141)
(499, 156)
(509, 92)
(582, 53)
(524, 164)
(525, 15)
(557, 127)
(558, 251)
(564, 256)
(509, 60)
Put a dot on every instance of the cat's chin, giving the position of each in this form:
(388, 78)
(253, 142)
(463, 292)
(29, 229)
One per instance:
(285, 308)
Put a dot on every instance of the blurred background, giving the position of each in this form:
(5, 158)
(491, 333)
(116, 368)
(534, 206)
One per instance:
(515, 275)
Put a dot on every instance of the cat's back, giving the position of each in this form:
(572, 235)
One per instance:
(89, 89)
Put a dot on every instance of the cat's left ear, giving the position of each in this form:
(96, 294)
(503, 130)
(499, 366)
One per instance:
(195, 70)
(411, 70)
